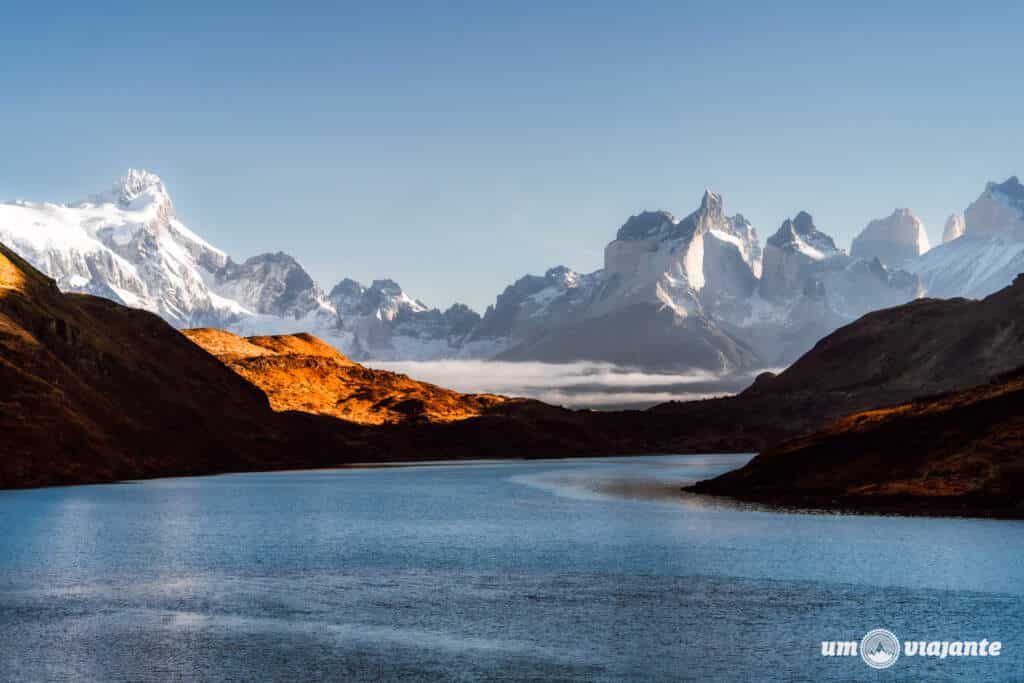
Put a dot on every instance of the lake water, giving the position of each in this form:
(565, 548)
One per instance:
(553, 570)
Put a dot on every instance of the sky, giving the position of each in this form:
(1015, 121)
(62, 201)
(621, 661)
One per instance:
(455, 147)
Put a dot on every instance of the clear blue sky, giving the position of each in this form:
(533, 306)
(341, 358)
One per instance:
(455, 146)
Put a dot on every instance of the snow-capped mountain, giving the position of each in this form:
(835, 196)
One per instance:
(652, 303)
(954, 228)
(127, 244)
(998, 212)
(792, 253)
(989, 253)
(809, 288)
(674, 294)
(892, 240)
(691, 294)
(382, 322)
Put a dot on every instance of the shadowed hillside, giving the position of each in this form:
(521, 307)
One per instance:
(958, 453)
(94, 391)
(955, 451)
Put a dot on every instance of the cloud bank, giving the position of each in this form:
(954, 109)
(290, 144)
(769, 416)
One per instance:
(575, 385)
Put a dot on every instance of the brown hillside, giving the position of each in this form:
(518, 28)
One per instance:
(87, 385)
(885, 358)
(300, 372)
(961, 452)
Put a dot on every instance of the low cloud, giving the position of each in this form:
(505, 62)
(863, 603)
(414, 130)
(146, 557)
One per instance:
(577, 385)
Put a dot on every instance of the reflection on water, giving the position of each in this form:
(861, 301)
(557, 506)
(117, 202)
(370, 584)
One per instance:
(554, 570)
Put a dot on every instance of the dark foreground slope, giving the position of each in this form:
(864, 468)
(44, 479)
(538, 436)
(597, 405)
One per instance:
(93, 391)
(925, 347)
(958, 453)
(953, 452)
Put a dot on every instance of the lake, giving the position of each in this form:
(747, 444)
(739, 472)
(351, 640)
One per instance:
(573, 570)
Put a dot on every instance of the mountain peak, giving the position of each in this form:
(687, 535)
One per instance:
(135, 190)
(138, 182)
(711, 201)
(803, 223)
(562, 277)
(954, 228)
(892, 240)
(1011, 188)
(645, 224)
(799, 234)
(999, 211)
(386, 286)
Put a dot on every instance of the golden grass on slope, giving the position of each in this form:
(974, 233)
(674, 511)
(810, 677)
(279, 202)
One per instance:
(301, 372)
(224, 345)
(17, 274)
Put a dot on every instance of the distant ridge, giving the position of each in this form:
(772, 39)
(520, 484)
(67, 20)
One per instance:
(921, 442)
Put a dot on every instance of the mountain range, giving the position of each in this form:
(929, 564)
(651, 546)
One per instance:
(699, 292)
(96, 391)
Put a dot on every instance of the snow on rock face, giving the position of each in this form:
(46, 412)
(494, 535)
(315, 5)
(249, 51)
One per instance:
(800, 235)
(127, 244)
(789, 253)
(382, 322)
(892, 240)
(654, 303)
(954, 228)
(690, 293)
(981, 253)
(809, 287)
(534, 302)
(270, 284)
(999, 211)
(971, 266)
(658, 258)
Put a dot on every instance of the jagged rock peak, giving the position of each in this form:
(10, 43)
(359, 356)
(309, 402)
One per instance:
(663, 225)
(803, 223)
(893, 239)
(562, 276)
(998, 212)
(645, 224)
(137, 182)
(800, 234)
(347, 287)
(711, 202)
(386, 286)
(135, 190)
(1011, 189)
(271, 283)
(954, 228)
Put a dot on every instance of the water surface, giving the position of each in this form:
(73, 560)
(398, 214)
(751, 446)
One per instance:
(552, 570)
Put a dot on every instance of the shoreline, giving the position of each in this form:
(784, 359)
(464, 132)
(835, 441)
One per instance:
(889, 506)
(682, 492)
(383, 464)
